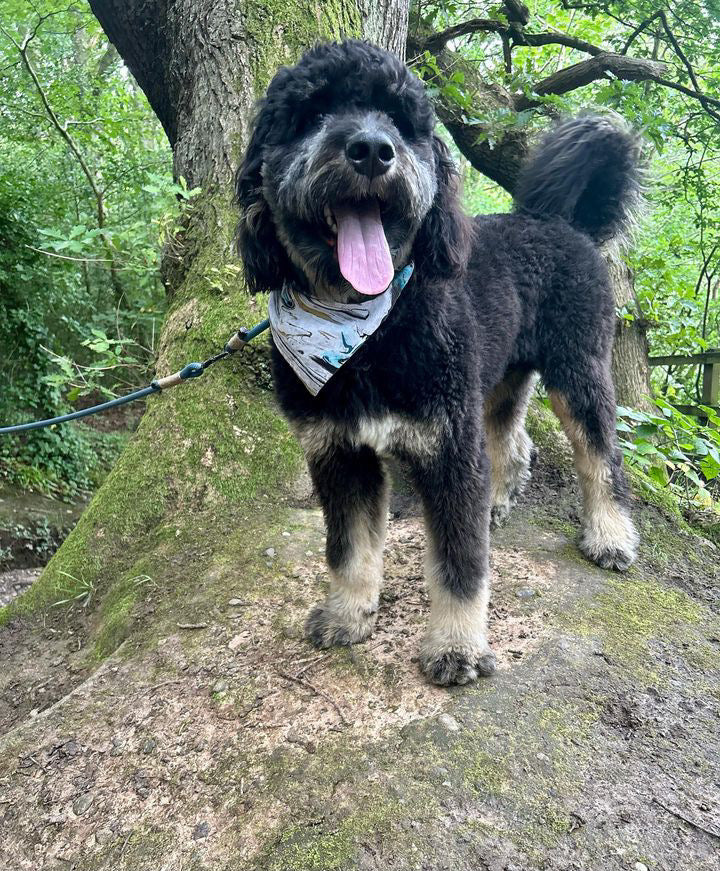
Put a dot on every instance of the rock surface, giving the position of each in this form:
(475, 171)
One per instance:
(15, 582)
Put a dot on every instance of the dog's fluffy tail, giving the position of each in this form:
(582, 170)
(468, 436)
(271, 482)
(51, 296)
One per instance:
(587, 172)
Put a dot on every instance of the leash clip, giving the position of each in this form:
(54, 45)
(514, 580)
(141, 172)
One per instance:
(192, 370)
(237, 341)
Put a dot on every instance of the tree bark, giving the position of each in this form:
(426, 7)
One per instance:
(385, 22)
(603, 66)
(631, 373)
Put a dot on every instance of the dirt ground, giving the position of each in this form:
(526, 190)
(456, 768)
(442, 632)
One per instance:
(224, 741)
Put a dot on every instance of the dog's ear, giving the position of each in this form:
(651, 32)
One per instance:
(264, 258)
(443, 240)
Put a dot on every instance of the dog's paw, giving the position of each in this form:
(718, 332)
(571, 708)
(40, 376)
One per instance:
(326, 628)
(617, 551)
(499, 515)
(614, 558)
(458, 666)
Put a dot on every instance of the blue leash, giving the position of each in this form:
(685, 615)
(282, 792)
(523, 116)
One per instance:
(192, 370)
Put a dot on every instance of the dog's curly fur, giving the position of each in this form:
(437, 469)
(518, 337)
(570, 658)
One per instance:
(444, 383)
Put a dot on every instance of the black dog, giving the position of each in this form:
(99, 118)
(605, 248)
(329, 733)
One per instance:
(444, 382)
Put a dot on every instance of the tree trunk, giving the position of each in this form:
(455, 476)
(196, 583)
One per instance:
(203, 64)
(630, 351)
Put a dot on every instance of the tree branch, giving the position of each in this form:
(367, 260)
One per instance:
(620, 66)
(507, 54)
(516, 10)
(638, 30)
(678, 50)
(516, 34)
(603, 66)
(676, 86)
(594, 7)
(437, 41)
(501, 161)
(555, 38)
(688, 66)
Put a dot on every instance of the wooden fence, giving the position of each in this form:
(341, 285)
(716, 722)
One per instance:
(710, 362)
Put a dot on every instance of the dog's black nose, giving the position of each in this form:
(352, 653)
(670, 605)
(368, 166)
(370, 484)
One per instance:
(370, 153)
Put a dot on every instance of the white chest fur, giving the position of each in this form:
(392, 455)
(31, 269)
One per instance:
(389, 434)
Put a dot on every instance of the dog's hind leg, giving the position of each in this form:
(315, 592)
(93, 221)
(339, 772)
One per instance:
(585, 404)
(353, 490)
(509, 447)
(454, 486)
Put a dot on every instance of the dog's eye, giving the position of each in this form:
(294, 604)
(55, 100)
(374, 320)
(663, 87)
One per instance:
(403, 123)
(397, 113)
(307, 121)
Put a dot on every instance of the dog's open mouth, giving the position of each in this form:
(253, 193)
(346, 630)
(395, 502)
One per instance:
(362, 249)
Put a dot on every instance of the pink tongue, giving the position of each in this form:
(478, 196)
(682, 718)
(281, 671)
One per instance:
(363, 252)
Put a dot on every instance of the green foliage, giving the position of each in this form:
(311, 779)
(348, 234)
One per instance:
(81, 300)
(481, 196)
(674, 450)
(676, 253)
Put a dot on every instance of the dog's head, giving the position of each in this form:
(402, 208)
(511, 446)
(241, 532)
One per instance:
(344, 180)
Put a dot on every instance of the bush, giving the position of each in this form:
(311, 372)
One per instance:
(674, 450)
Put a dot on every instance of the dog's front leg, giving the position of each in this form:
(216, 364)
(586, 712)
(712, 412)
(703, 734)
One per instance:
(352, 487)
(455, 488)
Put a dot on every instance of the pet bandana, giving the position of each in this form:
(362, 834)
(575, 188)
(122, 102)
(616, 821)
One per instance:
(317, 337)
